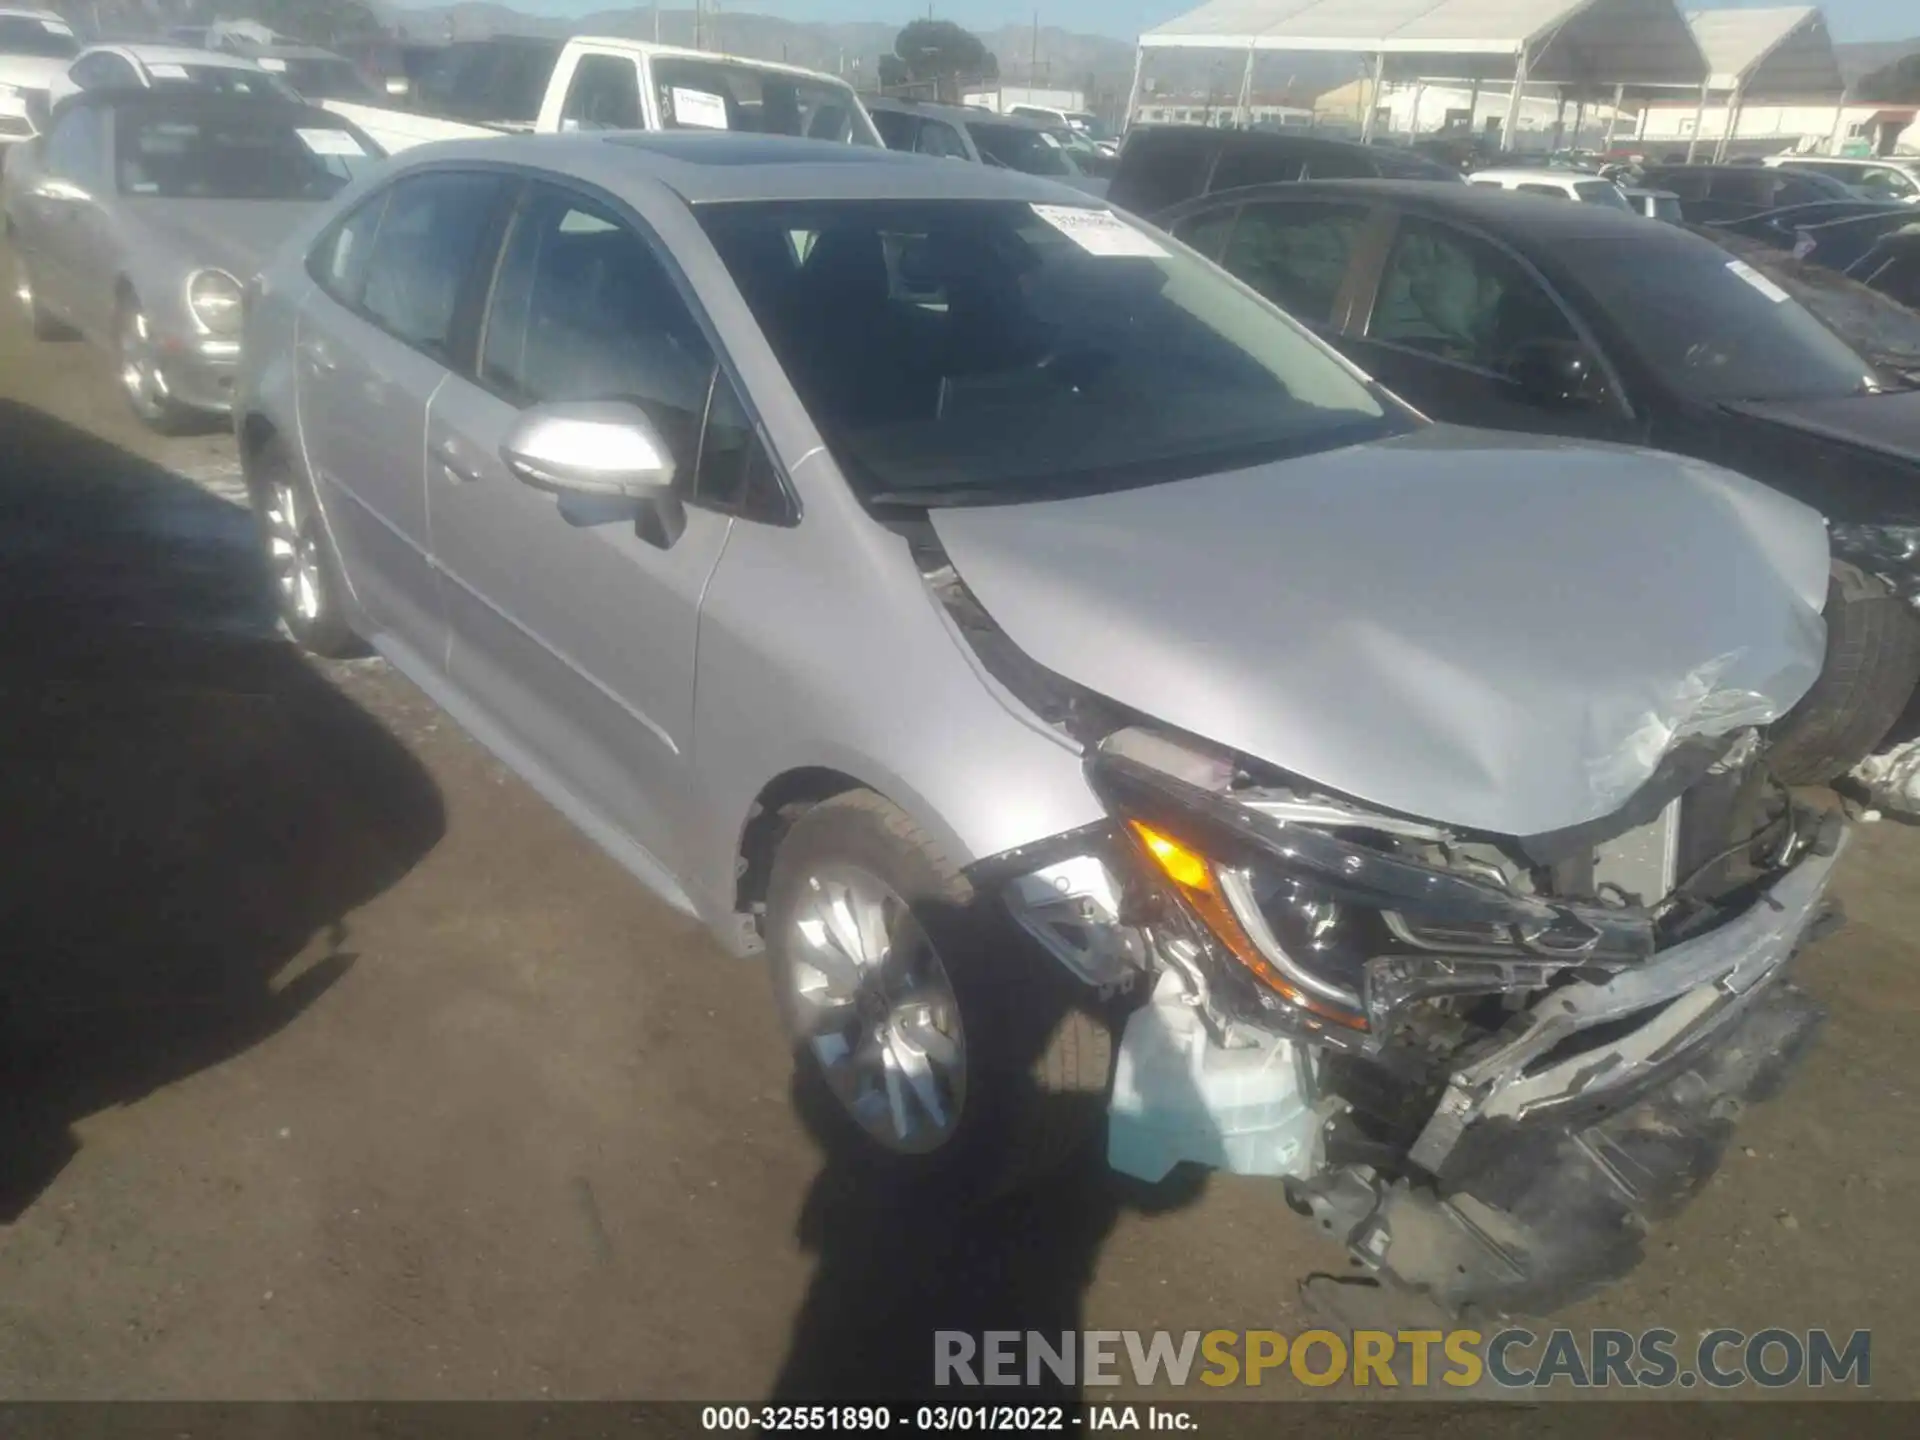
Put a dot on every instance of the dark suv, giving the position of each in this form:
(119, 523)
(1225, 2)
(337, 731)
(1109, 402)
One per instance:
(1164, 165)
(1733, 192)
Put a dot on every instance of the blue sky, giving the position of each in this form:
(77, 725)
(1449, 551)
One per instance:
(1850, 19)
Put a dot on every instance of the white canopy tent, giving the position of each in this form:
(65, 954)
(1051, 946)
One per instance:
(1584, 44)
(1784, 53)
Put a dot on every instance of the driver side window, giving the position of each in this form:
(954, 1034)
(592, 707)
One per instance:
(1456, 297)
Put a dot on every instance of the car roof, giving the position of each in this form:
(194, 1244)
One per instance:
(1534, 172)
(154, 54)
(187, 99)
(957, 114)
(30, 12)
(288, 50)
(712, 166)
(1514, 216)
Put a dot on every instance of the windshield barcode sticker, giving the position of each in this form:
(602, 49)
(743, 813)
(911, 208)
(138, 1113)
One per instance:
(1758, 281)
(164, 71)
(698, 109)
(1098, 232)
(332, 142)
(56, 27)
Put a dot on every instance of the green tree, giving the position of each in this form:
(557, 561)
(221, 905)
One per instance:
(945, 54)
(1895, 84)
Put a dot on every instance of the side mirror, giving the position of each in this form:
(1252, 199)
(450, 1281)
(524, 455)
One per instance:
(605, 448)
(1557, 374)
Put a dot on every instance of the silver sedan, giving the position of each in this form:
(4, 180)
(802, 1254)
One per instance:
(138, 217)
(986, 608)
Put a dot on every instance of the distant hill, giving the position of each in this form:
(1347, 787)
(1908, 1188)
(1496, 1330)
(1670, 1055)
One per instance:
(1098, 64)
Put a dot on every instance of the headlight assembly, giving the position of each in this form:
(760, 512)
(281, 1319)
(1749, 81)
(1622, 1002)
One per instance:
(216, 300)
(1342, 930)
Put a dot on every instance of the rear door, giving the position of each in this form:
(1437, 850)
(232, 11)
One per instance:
(375, 339)
(1449, 312)
(574, 620)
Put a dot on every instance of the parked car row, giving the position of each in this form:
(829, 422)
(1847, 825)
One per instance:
(1077, 654)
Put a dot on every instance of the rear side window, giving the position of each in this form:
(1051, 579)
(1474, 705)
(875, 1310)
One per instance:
(604, 95)
(1207, 232)
(1296, 255)
(940, 140)
(1745, 187)
(1687, 184)
(1160, 170)
(1244, 165)
(896, 129)
(422, 254)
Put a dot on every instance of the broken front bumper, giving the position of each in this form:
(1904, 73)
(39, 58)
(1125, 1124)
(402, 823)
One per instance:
(1595, 1114)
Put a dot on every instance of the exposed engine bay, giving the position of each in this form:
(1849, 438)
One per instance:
(1486, 1061)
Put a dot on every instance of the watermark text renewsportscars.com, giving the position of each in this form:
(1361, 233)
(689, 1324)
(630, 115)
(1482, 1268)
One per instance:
(1514, 1358)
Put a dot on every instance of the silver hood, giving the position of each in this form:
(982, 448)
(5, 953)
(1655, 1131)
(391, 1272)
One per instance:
(236, 235)
(1497, 632)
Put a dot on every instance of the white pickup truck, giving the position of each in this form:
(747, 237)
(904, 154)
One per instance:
(480, 87)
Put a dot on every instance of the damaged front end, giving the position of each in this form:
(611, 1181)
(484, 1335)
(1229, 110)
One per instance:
(1486, 1062)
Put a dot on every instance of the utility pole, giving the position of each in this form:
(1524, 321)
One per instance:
(1033, 60)
(656, 22)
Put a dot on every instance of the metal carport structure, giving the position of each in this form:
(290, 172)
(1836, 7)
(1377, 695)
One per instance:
(1783, 53)
(1589, 44)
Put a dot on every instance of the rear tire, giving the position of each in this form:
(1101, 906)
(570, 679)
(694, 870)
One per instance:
(1873, 663)
(1033, 1061)
(307, 585)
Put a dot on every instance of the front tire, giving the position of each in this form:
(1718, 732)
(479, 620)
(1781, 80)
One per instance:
(935, 1046)
(142, 380)
(307, 585)
(39, 319)
(1872, 666)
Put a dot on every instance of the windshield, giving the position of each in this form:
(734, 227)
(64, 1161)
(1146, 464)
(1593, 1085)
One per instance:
(48, 39)
(964, 351)
(728, 95)
(323, 78)
(1601, 192)
(1714, 327)
(1031, 152)
(238, 157)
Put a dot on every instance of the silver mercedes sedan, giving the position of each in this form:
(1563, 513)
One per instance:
(137, 219)
(1102, 705)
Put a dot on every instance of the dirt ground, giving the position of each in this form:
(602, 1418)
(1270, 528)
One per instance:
(333, 1064)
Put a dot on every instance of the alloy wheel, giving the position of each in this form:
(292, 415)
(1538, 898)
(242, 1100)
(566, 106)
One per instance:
(876, 1009)
(140, 373)
(293, 550)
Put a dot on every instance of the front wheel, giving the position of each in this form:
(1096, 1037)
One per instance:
(39, 319)
(1872, 665)
(142, 378)
(939, 1045)
(306, 578)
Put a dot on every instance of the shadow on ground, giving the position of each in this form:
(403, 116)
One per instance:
(188, 812)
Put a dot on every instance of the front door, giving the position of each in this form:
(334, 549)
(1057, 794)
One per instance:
(574, 620)
(373, 347)
(1451, 314)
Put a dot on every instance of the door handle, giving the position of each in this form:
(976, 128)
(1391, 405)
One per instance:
(451, 461)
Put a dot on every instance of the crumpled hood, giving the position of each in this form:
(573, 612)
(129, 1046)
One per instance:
(1497, 632)
(237, 235)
